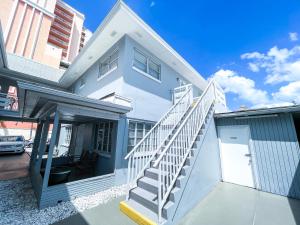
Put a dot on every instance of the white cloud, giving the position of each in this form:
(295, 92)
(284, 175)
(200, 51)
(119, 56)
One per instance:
(288, 93)
(152, 4)
(293, 36)
(243, 87)
(280, 65)
(253, 67)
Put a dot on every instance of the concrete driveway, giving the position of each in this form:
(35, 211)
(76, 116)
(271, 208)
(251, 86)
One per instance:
(14, 166)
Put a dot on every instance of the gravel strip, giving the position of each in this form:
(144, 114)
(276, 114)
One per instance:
(18, 204)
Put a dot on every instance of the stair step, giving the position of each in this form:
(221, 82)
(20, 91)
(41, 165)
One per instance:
(148, 184)
(173, 193)
(179, 181)
(153, 173)
(144, 197)
(184, 170)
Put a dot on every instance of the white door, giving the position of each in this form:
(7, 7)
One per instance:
(235, 155)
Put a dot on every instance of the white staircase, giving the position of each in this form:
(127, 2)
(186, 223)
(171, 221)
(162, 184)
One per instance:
(159, 163)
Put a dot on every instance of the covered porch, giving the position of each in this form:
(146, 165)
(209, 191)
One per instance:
(77, 143)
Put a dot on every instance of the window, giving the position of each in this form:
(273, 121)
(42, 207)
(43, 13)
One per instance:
(68, 135)
(146, 64)
(109, 63)
(82, 82)
(104, 137)
(136, 132)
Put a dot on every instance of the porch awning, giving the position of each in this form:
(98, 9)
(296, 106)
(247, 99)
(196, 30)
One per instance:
(35, 101)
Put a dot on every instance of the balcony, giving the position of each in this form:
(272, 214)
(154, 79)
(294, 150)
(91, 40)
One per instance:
(59, 34)
(61, 28)
(58, 42)
(9, 102)
(63, 22)
(63, 14)
(63, 8)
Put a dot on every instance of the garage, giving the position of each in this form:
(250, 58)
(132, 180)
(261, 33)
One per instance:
(260, 149)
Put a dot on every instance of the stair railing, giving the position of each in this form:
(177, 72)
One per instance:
(172, 158)
(142, 154)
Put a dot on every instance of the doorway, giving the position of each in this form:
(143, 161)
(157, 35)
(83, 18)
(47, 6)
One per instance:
(236, 161)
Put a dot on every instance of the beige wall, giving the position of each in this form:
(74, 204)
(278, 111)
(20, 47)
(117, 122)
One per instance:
(29, 29)
(6, 7)
(75, 37)
(26, 28)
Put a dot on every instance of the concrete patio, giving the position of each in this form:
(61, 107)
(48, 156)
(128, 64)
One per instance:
(230, 204)
(227, 204)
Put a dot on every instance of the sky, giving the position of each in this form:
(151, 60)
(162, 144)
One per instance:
(252, 48)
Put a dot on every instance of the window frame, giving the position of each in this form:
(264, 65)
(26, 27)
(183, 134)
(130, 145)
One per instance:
(68, 137)
(148, 60)
(109, 142)
(82, 83)
(135, 138)
(110, 61)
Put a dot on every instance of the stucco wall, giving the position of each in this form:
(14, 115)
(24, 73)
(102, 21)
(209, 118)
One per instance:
(150, 98)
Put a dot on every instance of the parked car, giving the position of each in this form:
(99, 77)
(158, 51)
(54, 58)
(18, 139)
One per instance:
(29, 143)
(12, 144)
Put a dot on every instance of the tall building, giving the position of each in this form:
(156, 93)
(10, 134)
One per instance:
(46, 31)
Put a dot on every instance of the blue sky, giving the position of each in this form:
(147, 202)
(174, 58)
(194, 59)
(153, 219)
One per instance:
(250, 47)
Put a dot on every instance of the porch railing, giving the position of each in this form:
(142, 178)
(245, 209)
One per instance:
(8, 102)
(174, 155)
(141, 155)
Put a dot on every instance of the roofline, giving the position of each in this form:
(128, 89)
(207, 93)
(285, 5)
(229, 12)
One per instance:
(85, 101)
(120, 4)
(17, 76)
(92, 39)
(262, 111)
(160, 39)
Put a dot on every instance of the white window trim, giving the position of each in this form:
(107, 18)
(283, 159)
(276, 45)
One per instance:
(107, 73)
(108, 55)
(147, 66)
(106, 153)
(145, 74)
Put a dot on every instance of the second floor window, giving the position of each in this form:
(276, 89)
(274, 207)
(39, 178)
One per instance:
(109, 63)
(146, 64)
(82, 82)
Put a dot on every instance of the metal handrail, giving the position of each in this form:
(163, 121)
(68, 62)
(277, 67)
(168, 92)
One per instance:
(162, 118)
(143, 153)
(174, 155)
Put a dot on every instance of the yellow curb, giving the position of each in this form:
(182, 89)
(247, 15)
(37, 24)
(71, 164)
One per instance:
(134, 215)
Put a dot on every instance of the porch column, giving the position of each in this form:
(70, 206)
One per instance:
(121, 151)
(42, 144)
(54, 136)
(36, 142)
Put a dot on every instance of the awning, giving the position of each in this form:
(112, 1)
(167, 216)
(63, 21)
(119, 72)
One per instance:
(35, 101)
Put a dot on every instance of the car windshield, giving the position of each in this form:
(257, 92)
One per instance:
(11, 138)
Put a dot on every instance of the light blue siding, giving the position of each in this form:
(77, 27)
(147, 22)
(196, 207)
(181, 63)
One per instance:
(275, 148)
(64, 192)
(150, 99)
